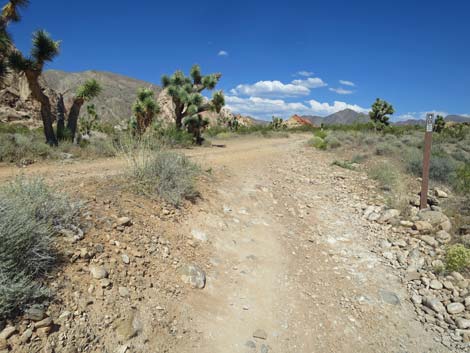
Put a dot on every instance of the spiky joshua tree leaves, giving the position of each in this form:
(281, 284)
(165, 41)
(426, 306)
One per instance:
(44, 50)
(85, 93)
(10, 13)
(380, 112)
(186, 93)
(145, 108)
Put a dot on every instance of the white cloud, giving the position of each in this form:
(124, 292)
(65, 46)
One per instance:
(311, 82)
(326, 108)
(304, 73)
(341, 90)
(270, 88)
(222, 53)
(264, 108)
(278, 89)
(347, 83)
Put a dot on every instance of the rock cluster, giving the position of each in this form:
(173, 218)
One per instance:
(417, 247)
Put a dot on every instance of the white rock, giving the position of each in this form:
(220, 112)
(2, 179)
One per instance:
(455, 308)
(462, 323)
(435, 284)
(199, 235)
(98, 272)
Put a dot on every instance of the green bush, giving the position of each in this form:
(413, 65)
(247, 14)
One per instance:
(332, 142)
(167, 174)
(386, 174)
(442, 166)
(15, 147)
(30, 215)
(462, 180)
(344, 164)
(317, 142)
(457, 257)
(320, 133)
(384, 149)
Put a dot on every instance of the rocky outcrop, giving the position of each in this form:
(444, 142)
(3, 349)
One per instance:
(297, 121)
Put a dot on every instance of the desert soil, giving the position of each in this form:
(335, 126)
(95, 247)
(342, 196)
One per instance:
(289, 261)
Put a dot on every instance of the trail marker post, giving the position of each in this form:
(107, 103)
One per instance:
(426, 160)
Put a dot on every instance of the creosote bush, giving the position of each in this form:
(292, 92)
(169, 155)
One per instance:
(317, 142)
(30, 215)
(457, 257)
(163, 173)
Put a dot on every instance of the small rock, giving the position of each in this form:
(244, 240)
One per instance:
(261, 334)
(26, 336)
(264, 349)
(422, 226)
(250, 344)
(124, 292)
(462, 323)
(389, 297)
(3, 345)
(406, 224)
(455, 308)
(429, 240)
(440, 193)
(193, 275)
(416, 299)
(389, 215)
(125, 259)
(433, 217)
(443, 237)
(123, 222)
(7, 332)
(35, 313)
(98, 272)
(435, 284)
(434, 304)
(43, 323)
(457, 276)
(467, 302)
(130, 326)
(199, 235)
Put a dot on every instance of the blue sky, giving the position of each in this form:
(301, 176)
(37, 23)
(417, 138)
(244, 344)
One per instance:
(276, 57)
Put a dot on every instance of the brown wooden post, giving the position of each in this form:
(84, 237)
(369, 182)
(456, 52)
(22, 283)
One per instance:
(426, 161)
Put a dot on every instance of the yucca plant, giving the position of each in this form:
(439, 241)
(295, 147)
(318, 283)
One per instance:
(86, 92)
(145, 108)
(44, 50)
(186, 93)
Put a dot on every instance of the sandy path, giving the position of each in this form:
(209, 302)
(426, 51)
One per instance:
(291, 255)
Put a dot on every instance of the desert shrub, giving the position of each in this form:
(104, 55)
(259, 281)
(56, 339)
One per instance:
(343, 164)
(15, 147)
(100, 147)
(320, 133)
(386, 174)
(332, 142)
(359, 158)
(167, 174)
(442, 167)
(173, 137)
(317, 142)
(457, 257)
(370, 140)
(462, 179)
(461, 156)
(30, 215)
(384, 149)
(412, 140)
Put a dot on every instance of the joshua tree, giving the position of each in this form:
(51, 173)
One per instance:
(10, 13)
(186, 93)
(44, 49)
(86, 92)
(145, 108)
(277, 123)
(379, 113)
(88, 122)
(195, 125)
(439, 124)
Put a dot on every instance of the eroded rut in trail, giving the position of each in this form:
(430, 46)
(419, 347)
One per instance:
(291, 268)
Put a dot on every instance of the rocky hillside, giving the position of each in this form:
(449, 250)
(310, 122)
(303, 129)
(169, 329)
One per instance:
(119, 92)
(343, 117)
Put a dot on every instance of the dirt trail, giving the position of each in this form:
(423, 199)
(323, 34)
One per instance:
(291, 260)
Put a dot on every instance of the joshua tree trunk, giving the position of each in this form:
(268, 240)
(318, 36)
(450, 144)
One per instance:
(60, 117)
(46, 111)
(73, 115)
(179, 116)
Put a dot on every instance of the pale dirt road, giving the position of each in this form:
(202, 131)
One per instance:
(290, 255)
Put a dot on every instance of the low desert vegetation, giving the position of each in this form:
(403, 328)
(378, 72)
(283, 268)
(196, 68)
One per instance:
(31, 216)
(158, 172)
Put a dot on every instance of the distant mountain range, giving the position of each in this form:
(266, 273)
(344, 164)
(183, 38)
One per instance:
(448, 118)
(343, 117)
